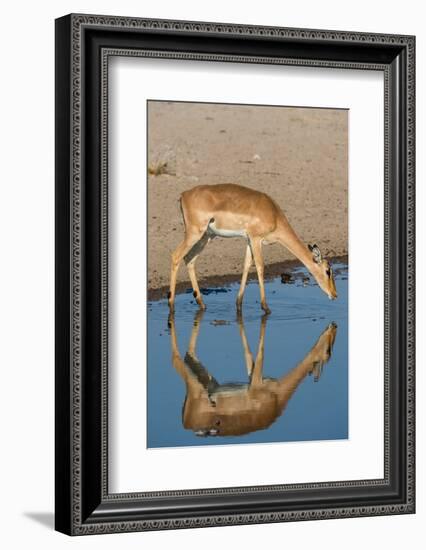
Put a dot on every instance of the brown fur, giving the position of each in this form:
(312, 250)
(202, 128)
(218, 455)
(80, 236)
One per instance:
(237, 208)
(241, 408)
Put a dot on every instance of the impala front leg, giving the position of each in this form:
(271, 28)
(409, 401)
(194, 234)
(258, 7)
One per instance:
(256, 378)
(247, 353)
(256, 247)
(247, 263)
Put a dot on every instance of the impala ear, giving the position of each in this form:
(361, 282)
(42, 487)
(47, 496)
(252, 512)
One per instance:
(316, 253)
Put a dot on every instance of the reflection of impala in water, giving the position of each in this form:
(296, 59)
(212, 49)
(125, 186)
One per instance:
(211, 408)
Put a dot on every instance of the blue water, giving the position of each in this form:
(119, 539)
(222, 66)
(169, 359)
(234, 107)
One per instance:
(316, 409)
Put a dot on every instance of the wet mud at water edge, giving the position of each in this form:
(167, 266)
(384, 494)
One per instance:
(211, 282)
(217, 378)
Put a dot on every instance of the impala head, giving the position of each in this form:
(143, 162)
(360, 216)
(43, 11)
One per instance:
(323, 272)
(323, 348)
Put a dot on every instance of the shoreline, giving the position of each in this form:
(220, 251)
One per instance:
(297, 156)
(216, 281)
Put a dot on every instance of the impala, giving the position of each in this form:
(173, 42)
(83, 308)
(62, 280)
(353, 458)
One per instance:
(230, 210)
(214, 409)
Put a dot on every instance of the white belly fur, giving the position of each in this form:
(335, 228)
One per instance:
(227, 232)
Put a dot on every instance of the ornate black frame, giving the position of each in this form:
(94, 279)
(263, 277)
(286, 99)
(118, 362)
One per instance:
(83, 45)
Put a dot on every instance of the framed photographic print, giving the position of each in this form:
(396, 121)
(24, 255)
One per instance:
(234, 274)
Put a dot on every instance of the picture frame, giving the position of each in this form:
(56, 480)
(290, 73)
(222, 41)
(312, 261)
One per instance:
(83, 503)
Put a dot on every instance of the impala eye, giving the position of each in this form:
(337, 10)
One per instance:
(328, 272)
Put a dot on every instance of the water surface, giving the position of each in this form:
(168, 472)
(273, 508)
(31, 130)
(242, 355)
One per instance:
(219, 378)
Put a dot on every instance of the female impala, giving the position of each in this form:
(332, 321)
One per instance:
(214, 409)
(229, 210)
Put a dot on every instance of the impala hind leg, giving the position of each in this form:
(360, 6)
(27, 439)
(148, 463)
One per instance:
(256, 247)
(247, 263)
(190, 259)
(177, 256)
(195, 288)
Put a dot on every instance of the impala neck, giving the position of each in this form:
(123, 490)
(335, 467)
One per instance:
(288, 384)
(288, 238)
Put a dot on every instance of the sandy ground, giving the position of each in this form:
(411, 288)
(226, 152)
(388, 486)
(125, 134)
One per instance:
(299, 156)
